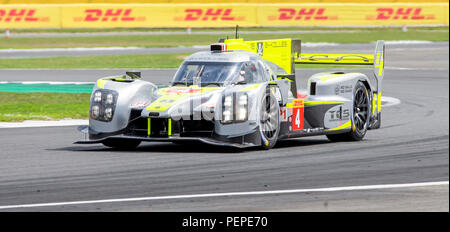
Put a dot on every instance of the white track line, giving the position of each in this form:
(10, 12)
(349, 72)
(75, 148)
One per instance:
(84, 69)
(48, 82)
(208, 195)
(395, 42)
(38, 123)
(12, 50)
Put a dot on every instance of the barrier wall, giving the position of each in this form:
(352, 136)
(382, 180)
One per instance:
(221, 15)
(205, 1)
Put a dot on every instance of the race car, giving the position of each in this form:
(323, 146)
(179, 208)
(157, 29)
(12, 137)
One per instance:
(240, 94)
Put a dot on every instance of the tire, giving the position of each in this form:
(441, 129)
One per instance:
(361, 116)
(121, 143)
(269, 121)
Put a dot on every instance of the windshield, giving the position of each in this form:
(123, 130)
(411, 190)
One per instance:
(206, 73)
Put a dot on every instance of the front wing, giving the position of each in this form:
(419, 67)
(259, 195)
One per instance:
(249, 140)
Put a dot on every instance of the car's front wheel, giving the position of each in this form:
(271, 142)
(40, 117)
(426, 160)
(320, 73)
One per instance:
(269, 120)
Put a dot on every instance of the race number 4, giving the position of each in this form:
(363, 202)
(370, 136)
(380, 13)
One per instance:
(297, 114)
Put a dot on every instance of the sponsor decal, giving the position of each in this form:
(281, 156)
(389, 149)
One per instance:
(339, 115)
(401, 13)
(305, 14)
(335, 57)
(20, 15)
(108, 15)
(297, 114)
(209, 14)
(314, 130)
(183, 90)
(283, 114)
(343, 89)
(139, 104)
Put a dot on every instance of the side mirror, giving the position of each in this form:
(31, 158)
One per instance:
(241, 80)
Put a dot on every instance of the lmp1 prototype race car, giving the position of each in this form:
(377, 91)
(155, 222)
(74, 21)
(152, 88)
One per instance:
(241, 94)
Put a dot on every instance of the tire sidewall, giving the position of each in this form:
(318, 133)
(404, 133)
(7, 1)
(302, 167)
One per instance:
(355, 132)
(268, 143)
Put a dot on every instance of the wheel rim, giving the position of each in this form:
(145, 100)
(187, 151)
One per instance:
(360, 109)
(269, 117)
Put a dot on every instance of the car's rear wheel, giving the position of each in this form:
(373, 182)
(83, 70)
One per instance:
(269, 121)
(121, 143)
(361, 115)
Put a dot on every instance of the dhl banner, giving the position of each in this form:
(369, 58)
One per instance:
(221, 15)
(201, 1)
(352, 14)
(30, 16)
(158, 15)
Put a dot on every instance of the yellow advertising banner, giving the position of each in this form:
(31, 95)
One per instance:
(215, 15)
(221, 15)
(158, 15)
(352, 14)
(29, 16)
(200, 1)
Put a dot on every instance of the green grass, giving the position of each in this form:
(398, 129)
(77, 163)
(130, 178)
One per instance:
(116, 61)
(367, 35)
(43, 106)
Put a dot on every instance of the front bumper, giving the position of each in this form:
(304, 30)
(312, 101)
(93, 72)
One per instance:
(171, 139)
(249, 140)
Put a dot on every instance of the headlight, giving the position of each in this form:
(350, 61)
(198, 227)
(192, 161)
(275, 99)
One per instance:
(242, 115)
(98, 96)
(109, 98)
(95, 112)
(228, 101)
(243, 99)
(235, 108)
(227, 116)
(108, 113)
(227, 109)
(103, 104)
(241, 108)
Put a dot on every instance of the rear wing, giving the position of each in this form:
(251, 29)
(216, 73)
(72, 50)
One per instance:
(287, 52)
(376, 60)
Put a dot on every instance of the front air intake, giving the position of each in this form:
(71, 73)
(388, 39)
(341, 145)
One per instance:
(153, 114)
(312, 88)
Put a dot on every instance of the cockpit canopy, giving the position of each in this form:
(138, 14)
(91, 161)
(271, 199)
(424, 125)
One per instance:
(209, 68)
(203, 73)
